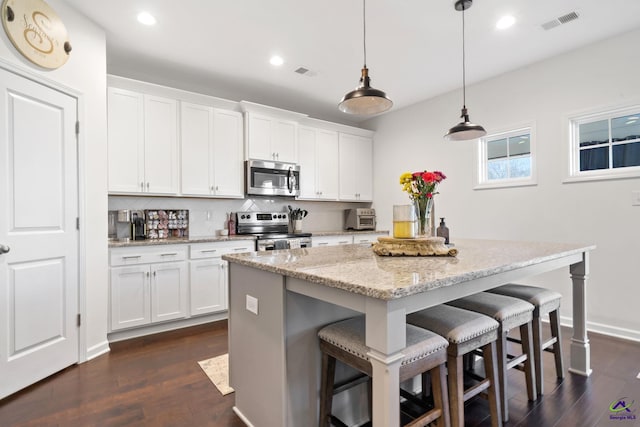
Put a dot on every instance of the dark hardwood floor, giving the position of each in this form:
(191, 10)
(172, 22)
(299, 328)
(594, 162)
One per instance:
(156, 381)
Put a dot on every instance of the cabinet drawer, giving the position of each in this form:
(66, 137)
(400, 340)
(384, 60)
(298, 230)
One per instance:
(217, 249)
(146, 255)
(331, 240)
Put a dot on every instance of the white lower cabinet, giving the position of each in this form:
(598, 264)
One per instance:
(343, 239)
(208, 280)
(161, 283)
(208, 276)
(148, 285)
(366, 239)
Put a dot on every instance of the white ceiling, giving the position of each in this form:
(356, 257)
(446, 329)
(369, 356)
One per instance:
(413, 47)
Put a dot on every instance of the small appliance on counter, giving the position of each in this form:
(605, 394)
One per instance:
(360, 219)
(138, 228)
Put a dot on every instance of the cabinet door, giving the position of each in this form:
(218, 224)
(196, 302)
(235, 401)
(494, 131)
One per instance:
(160, 147)
(168, 291)
(356, 168)
(196, 137)
(284, 140)
(129, 292)
(228, 166)
(307, 162)
(208, 286)
(259, 137)
(125, 141)
(327, 175)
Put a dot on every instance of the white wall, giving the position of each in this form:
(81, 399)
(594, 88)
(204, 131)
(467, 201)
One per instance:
(601, 75)
(85, 72)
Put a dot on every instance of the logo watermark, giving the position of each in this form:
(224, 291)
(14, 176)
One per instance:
(622, 409)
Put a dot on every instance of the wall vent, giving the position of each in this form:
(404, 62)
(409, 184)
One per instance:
(572, 16)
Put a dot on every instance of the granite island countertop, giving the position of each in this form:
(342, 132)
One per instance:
(357, 269)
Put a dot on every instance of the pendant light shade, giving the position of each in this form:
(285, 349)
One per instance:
(365, 100)
(464, 130)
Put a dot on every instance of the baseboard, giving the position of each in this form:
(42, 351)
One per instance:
(165, 327)
(242, 417)
(98, 350)
(601, 328)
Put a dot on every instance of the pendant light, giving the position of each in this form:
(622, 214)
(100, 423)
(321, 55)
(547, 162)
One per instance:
(365, 100)
(464, 130)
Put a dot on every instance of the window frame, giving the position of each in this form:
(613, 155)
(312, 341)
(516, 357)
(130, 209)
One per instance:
(481, 162)
(573, 122)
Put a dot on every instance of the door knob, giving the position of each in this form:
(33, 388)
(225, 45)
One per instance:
(4, 249)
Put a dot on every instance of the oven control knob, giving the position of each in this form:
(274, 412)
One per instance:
(248, 216)
(284, 216)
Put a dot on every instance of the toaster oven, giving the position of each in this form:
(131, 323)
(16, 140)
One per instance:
(360, 219)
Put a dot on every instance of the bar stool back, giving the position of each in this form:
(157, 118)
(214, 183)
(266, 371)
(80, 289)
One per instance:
(509, 313)
(466, 331)
(425, 352)
(545, 302)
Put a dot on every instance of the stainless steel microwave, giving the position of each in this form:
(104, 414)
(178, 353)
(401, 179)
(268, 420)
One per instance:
(266, 178)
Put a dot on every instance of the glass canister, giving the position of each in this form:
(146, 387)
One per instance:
(404, 221)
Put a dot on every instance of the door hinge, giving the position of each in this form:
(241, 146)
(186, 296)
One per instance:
(77, 223)
(77, 128)
(79, 320)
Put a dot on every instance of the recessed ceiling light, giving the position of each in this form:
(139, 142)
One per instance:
(146, 18)
(505, 22)
(276, 60)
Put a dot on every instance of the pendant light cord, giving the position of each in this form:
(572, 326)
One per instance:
(364, 31)
(464, 94)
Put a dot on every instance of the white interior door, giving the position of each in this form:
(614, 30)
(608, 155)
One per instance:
(38, 211)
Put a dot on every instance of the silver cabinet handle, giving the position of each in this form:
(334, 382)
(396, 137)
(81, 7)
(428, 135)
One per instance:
(154, 274)
(343, 242)
(241, 249)
(147, 274)
(212, 188)
(142, 186)
(132, 257)
(4, 249)
(323, 243)
(147, 186)
(170, 254)
(208, 251)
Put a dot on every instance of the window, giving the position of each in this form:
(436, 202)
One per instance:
(606, 144)
(505, 159)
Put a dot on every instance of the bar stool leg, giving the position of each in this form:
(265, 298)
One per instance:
(456, 390)
(538, 351)
(328, 372)
(491, 368)
(439, 383)
(529, 365)
(502, 371)
(557, 347)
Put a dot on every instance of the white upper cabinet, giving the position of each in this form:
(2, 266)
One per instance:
(356, 168)
(270, 138)
(143, 143)
(318, 158)
(211, 147)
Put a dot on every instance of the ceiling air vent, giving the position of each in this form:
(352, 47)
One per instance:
(305, 72)
(572, 16)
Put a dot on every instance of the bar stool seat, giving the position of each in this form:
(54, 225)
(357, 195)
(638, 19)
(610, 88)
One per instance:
(509, 313)
(466, 331)
(545, 302)
(425, 352)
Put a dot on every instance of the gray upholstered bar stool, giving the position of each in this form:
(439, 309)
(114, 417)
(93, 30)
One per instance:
(466, 331)
(425, 352)
(509, 313)
(545, 302)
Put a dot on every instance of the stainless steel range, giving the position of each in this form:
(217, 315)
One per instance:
(271, 230)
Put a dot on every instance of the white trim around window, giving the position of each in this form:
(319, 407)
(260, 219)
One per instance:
(575, 174)
(482, 178)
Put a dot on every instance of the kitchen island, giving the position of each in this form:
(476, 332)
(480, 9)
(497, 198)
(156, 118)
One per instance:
(279, 299)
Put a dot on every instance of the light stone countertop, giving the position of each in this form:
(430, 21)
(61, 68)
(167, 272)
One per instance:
(208, 239)
(178, 241)
(357, 269)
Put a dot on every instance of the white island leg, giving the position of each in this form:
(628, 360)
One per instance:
(580, 362)
(386, 338)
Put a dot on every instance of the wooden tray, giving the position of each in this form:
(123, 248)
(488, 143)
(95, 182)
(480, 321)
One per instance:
(429, 246)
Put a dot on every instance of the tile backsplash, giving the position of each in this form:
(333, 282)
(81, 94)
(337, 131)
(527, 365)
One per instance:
(208, 215)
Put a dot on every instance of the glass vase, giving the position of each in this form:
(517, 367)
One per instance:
(423, 212)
